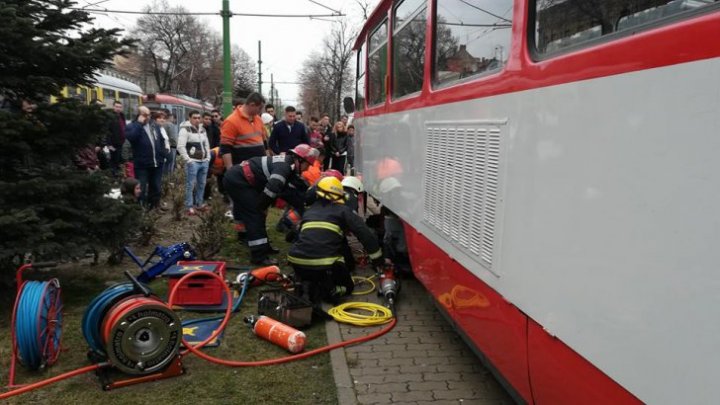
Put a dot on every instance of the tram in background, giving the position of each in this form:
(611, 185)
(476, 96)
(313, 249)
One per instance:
(555, 165)
(179, 105)
(107, 89)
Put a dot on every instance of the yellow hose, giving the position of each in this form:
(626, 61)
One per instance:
(375, 314)
(357, 280)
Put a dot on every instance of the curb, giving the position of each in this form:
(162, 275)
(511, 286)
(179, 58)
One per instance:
(341, 373)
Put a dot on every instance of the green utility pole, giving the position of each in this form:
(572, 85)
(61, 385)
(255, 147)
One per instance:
(227, 62)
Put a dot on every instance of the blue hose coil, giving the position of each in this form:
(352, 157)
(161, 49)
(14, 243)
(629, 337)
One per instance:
(37, 340)
(95, 312)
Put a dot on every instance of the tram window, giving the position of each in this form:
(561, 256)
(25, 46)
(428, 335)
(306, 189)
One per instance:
(125, 99)
(567, 24)
(377, 69)
(360, 81)
(72, 92)
(85, 94)
(471, 38)
(408, 47)
(108, 97)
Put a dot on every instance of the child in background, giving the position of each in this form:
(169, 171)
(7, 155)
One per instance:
(130, 191)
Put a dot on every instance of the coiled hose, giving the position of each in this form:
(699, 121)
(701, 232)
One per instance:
(38, 323)
(359, 280)
(95, 312)
(375, 314)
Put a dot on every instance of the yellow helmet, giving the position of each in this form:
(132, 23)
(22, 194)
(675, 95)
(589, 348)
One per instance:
(331, 189)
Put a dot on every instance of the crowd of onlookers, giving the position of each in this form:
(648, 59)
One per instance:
(152, 144)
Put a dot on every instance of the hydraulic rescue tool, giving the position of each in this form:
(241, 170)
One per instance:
(389, 285)
(168, 257)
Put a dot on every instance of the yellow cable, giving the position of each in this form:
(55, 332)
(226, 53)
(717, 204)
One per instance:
(357, 280)
(375, 314)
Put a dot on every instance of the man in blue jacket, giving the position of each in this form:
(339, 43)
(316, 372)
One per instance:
(288, 133)
(149, 152)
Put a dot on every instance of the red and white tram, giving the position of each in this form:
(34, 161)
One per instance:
(180, 105)
(555, 163)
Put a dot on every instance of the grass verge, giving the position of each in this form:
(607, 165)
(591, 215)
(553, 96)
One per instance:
(308, 381)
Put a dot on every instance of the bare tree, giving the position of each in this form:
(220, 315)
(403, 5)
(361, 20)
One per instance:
(244, 73)
(327, 76)
(315, 91)
(181, 54)
(163, 43)
(364, 7)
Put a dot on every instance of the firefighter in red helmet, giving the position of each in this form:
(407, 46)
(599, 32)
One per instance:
(254, 184)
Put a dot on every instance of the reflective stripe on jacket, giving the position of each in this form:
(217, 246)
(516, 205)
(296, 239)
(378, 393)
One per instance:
(322, 235)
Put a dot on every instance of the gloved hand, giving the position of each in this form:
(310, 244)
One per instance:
(264, 202)
(378, 263)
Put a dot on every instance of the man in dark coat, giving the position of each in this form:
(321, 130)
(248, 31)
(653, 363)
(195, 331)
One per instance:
(116, 138)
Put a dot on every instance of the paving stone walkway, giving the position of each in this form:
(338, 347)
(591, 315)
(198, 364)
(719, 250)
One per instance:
(421, 361)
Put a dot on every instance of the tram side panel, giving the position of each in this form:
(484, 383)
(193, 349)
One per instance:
(607, 227)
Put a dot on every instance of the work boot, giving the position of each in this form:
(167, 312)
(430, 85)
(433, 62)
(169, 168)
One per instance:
(272, 250)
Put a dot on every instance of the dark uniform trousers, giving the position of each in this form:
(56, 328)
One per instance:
(245, 200)
(321, 281)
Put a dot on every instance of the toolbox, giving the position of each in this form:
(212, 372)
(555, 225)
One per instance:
(285, 307)
(198, 290)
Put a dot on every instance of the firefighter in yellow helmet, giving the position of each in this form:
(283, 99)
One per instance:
(317, 254)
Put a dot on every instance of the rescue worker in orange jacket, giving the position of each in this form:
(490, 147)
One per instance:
(254, 185)
(317, 255)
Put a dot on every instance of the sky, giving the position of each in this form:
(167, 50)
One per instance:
(286, 42)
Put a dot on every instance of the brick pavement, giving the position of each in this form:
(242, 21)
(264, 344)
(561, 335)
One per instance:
(421, 361)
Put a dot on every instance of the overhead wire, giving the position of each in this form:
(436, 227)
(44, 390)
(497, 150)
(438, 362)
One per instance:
(324, 6)
(200, 13)
(485, 11)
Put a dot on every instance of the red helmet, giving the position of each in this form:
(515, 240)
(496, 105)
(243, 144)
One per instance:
(332, 173)
(305, 152)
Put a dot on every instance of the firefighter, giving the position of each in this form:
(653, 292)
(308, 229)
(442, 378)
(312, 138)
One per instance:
(317, 255)
(254, 185)
(353, 188)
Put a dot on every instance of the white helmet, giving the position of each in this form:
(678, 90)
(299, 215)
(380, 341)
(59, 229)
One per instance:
(266, 118)
(353, 183)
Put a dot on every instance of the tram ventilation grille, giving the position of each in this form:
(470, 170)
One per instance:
(462, 171)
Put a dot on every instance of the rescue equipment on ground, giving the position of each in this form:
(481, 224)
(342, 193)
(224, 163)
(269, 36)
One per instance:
(262, 275)
(357, 280)
(371, 314)
(389, 286)
(36, 325)
(135, 332)
(168, 256)
(122, 309)
(197, 330)
(202, 290)
(285, 307)
(277, 333)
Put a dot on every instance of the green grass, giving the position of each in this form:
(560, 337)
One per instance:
(308, 381)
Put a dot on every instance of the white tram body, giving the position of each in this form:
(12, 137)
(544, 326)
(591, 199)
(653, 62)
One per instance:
(589, 200)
